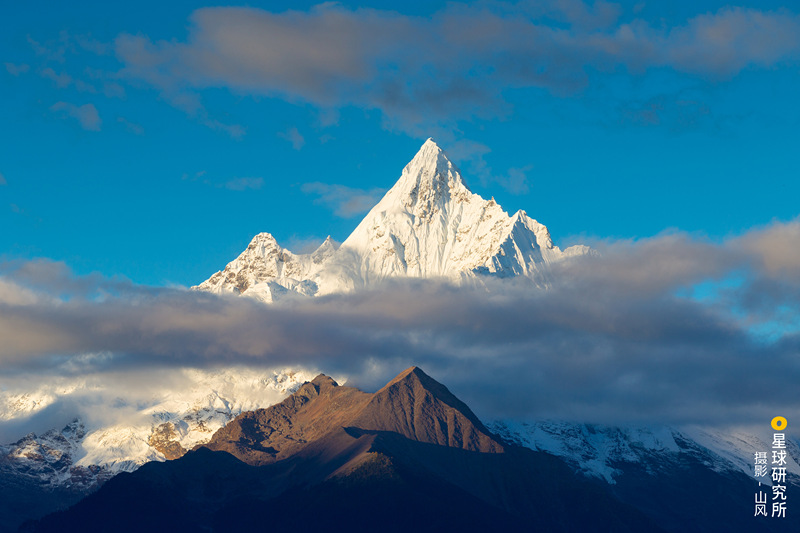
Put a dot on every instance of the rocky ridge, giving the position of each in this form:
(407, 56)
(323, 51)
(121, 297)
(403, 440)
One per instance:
(409, 456)
(412, 405)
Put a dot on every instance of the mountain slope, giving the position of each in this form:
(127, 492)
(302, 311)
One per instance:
(428, 225)
(409, 455)
(688, 479)
(40, 473)
(605, 452)
(412, 405)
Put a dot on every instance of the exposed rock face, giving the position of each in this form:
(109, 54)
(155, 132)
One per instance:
(412, 405)
(428, 225)
(165, 440)
(267, 435)
(419, 408)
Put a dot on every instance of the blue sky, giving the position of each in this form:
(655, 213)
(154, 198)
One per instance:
(153, 140)
(145, 144)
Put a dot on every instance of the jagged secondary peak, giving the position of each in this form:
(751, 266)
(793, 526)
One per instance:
(325, 250)
(264, 245)
(328, 243)
(543, 238)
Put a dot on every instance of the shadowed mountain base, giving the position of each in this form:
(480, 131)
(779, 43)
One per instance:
(409, 457)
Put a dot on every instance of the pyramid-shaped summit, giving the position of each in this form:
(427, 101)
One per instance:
(427, 187)
(412, 406)
(428, 225)
(420, 408)
(430, 170)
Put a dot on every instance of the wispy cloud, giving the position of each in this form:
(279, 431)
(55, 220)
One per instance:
(304, 244)
(473, 154)
(95, 46)
(63, 80)
(293, 136)
(16, 70)
(346, 202)
(133, 127)
(241, 184)
(86, 115)
(108, 80)
(232, 184)
(3, 179)
(615, 338)
(137, 54)
(236, 131)
(51, 51)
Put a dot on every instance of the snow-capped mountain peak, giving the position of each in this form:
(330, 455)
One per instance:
(428, 181)
(428, 225)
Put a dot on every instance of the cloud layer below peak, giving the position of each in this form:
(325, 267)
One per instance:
(672, 329)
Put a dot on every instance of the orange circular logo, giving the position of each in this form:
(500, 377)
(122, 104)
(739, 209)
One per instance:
(779, 423)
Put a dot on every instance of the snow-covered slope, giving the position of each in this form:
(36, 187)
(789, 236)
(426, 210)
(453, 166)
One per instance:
(606, 452)
(133, 430)
(428, 225)
(267, 271)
